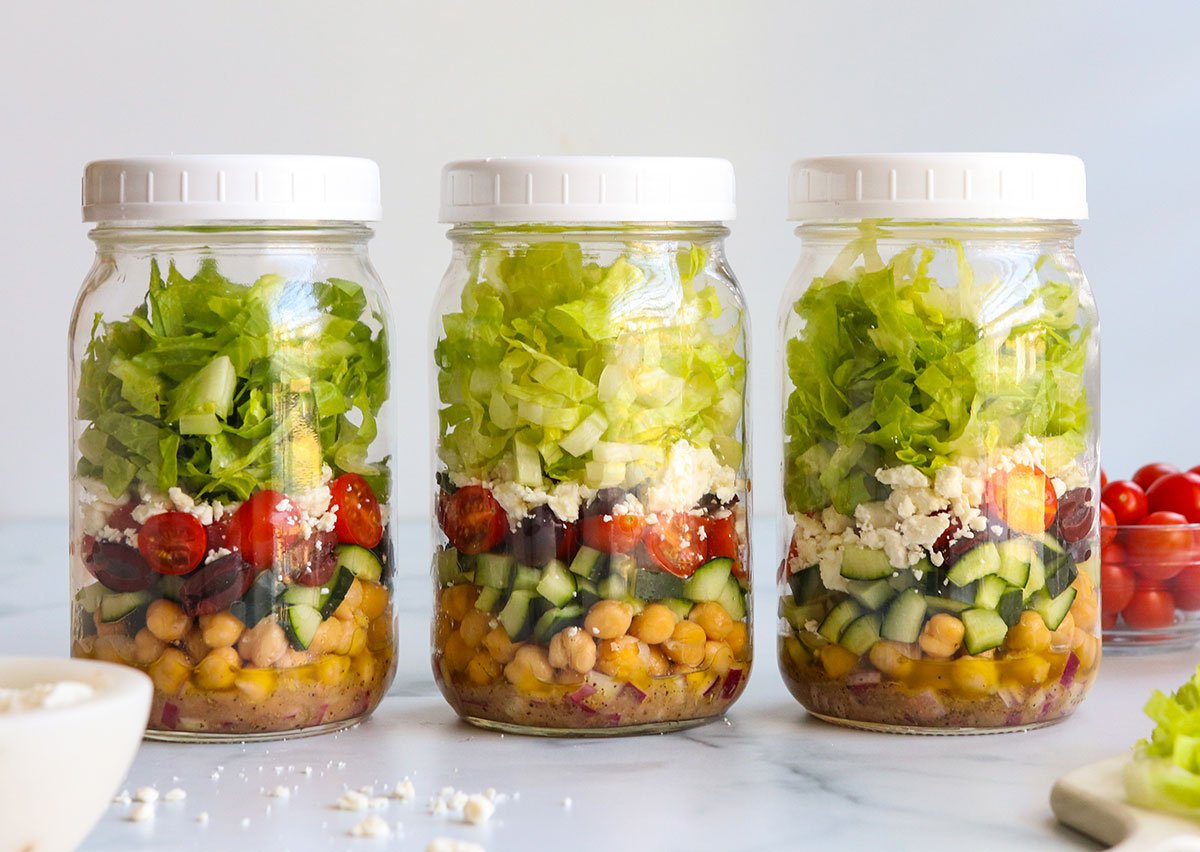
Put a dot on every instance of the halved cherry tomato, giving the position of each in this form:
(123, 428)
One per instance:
(612, 533)
(1177, 492)
(1117, 586)
(675, 543)
(1108, 526)
(263, 527)
(474, 521)
(723, 541)
(1149, 609)
(1149, 474)
(568, 540)
(1160, 545)
(358, 518)
(172, 542)
(1023, 498)
(1127, 501)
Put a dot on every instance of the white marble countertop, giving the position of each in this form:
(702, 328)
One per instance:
(766, 778)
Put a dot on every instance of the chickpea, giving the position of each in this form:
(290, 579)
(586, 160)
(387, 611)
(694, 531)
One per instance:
(457, 653)
(654, 624)
(608, 619)
(351, 603)
(115, 649)
(1028, 634)
(1028, 671)
(218, 669)
(358, 642)
(263, 644)
(194, 644)
(686, 645)
(711, 616)
(837, 661)
(258, 684)
(379, 634)
(365, 667)
(1087, 648)
(974, 677)
(221, 629)
(718, 658)
(1083, 608)
(573, 649)
(499, 645)
(892, 659)
(170, 671)
(657, 664)
(482, 669)
(1063, 638)
(739, 641)
(475, 625)
(147, 647)
(529, 661)
(458, 600)
(617, 657)
(942, 636)
(374, 599)
(114, 628)
(167, 620)
(327, 638)
(332, 669)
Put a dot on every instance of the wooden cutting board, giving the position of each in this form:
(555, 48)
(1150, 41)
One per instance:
(1091, 800)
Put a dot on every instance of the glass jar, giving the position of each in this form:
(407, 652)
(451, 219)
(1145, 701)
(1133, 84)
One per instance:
(941, 416)
(230, 434)
(591, 558)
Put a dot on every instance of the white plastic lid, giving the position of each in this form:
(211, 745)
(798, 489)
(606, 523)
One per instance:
(238, 187)
(937, 186)
(588, 189)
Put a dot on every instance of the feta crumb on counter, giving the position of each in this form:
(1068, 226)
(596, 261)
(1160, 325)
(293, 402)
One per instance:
(202, 817)
(280, 792)
(404, 791)
(352, 800)
(146, 794)
(452, 844)
(373, 826)
(44, 696)
(141, 812)
(175, 794)
(478, 809)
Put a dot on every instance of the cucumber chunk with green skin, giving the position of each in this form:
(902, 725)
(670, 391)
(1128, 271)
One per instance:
(806, 585)
(89, 597)
(864, 563)
(514, 617)
(171, 587)
(296, 594)
(526, 579)
(554, 620)
(983, 630)
(259, 602)
(733, 599)
(708, 581)
(624, 566)
(682, 608)
(1037, 576)
(905, 617)
(1051, 545)
(613, 587)
(839, 619)
(1015, 556)
(557, 584)
(1063, 575)
(588, 563)
(448, 568)
(364, 563)
(488, 598)
(588, 593)
(115, 606)
(1053, 610)
(991, 589)
(300, 623)
(940, 604)
(656, 585)
(938, 585)
(873, 594)
(907, 579)
(975, 564)
(862, 633)
(494, 570)
(1012, 604)
(334, 592)
(799, 615)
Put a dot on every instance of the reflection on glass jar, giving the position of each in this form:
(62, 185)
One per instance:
(231, 530)
(591, 557)
(940, 444)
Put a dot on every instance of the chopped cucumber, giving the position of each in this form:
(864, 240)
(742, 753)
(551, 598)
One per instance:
(991, 589)
(257, 603)
(1037, 575)
(624, 566)
(170, 586)
(800, 614)
(334, 592)
(588, 563)
(613, 587)
(905, 617)
(554, 620)
(448, 571)
(839, 619)
(1063, 575)
(1054, 610)
(1012, 602)
(733, 599)
(494, 570)
(488, 598)
(656, 585)
(114, 606)
(1015, 556)
(940, 604)
(975, 564)
(806, 585)
(872, 594)
(526, 579)
(300, 623)
(361, 561)
(983, 630)
(708, 582)
(861, 634)
(89, 597)
(907, 579)
(679, 606)
(588, 593)
(295, 595)
(557, 584)
(1051, 545)
(514, 618)
(864, 563)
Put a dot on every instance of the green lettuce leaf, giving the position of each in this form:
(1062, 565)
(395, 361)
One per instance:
(1164, 773)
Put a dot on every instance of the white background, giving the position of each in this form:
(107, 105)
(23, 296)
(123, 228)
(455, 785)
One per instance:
(413, 85)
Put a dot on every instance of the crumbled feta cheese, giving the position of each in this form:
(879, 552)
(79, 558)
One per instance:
(404, 791)
(948, 482)
(181, 501)
(141, 812)
(905, 476)
(452, 844)
(689, 473)
(314, 502)
(202, 817)
(478, 809)
(352, 800)
(218, 553)
(122, 798)
(280, 792)
(148, 509)
(372, 826)
(175, 794)
(629, 506)
(146, 794)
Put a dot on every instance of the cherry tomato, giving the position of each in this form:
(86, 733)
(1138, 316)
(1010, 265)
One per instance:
(475, 522)
(675, 543)
(217, 534)
(612, 533)
(1127, 501)
(1023, 498)
(1108, 525)
(1151, 473)
(1108, 620)
(568, 541)
(358, 518)
(1160, 546)
(1187, 589)
(1176, 492)
(439, 507)
(1195, 469)
(723, 541)
(1149, 609)
(263, 527)
(1113, 553)
(173, 542)
(1117, 585)
(1103, 479)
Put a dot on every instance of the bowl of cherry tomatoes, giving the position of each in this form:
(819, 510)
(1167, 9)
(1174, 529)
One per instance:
(1150, 559)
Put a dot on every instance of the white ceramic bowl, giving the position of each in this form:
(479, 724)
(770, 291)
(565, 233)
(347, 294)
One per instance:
(60, 767)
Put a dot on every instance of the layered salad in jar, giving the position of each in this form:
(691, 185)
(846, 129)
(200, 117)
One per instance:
(592, 558)
(941, 568)
(230, 538)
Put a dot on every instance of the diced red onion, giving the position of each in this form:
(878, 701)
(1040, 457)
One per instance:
(584, 692)
(170, 715)
(712, 687)
(614, 718)
(867, 678)
(634, 693)
(1072, 666)
(732, 680)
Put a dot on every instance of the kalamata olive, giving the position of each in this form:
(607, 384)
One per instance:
(1081, 551)
(383, 552)
(310, 561)
(712, 503)
(120, 567)
(604, 501)
(535, 540)
(958, 548)
(213, 587)
(1076, 515)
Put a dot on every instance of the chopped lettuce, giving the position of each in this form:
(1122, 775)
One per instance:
(552, 356)
(891, 368)
(1164, 773)
(224, 389)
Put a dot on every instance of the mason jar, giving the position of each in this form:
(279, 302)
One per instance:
(230, 439)
(590, 560)
(941, 421)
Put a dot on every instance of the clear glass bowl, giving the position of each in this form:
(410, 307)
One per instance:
(1150, 596)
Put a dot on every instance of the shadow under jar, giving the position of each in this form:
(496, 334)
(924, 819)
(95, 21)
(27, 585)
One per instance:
(940, 444)
(591, 558)
(230, 423)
